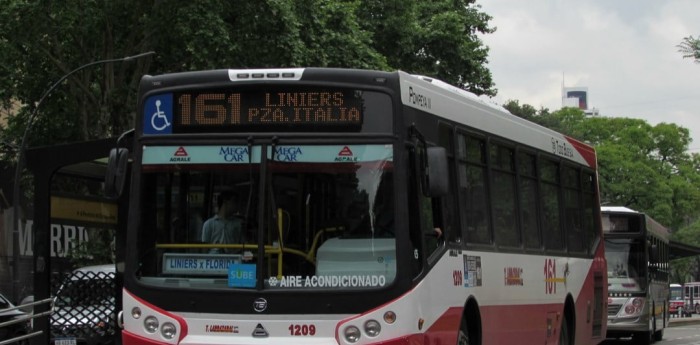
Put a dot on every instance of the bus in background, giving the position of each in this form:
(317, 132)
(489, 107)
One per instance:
(676, 304)
(636, 250)
(370, 208)
(691, 296)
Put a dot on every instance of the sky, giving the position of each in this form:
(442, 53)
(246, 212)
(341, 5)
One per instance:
(624, 51)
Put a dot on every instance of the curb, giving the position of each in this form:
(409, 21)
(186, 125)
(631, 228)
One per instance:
(676, 322)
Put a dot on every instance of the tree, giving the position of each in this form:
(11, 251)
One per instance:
(41, 41)
(640, 166)
(53, 39)
(690, 48)
(434, 38)
(627, 180)
(687, 269)
(644, 167)
(525, 111)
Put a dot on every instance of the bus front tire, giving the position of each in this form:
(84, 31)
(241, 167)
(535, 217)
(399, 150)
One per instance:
(658, 335)
(567, 330)
(463, 337)
(564, 337)
(470, 328)
(642, 338)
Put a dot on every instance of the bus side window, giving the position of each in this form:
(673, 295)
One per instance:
(575, 235)
(473, 189)
(503, 195)
(550, 183)
(527, 179)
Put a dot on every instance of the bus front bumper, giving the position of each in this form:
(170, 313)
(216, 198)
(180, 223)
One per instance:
(626, 326)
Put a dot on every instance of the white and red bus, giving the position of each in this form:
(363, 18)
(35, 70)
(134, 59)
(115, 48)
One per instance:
(637, 255)
(676, 304)
(691, 296)
(371, 208)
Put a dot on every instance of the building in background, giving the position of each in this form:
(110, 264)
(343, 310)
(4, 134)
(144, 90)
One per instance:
(577, 97)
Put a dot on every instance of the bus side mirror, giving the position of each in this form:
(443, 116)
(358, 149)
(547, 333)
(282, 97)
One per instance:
(115, 176)
(438, 176)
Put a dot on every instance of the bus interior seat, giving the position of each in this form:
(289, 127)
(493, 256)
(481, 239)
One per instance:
(357, 256)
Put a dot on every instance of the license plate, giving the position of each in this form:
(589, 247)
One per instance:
(65, 341)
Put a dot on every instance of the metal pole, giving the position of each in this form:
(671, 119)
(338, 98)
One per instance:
(20, 166)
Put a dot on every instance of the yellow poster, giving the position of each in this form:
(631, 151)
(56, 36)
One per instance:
(83, 210)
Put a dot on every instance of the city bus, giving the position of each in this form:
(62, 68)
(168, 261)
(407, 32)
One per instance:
(691, 297)
(637, 254)
(677, 306)
(370, 208)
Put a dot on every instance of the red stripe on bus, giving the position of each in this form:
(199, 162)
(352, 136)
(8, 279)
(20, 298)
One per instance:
(180, 319)
(134, 339)
(532, 322)
(446, 328)
(586, 151)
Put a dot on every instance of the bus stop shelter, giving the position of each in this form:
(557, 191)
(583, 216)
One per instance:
(77, 161)
(678, 250)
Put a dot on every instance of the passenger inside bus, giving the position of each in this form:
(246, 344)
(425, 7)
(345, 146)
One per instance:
(225, 227)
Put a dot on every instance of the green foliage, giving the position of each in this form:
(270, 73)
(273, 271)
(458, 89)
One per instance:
(338, 38)
(687, 269)
(567, 120)
(99, 249)
(53, 38)
(647, 168)
(641, 166)
(525, 111)
(434, 38)
(41, 41)
(690, 48)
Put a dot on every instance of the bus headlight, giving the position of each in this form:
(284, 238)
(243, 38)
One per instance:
(372, 328)
(352, 334)
(634, 306)
(150, 324)
(389, 317)
(168, 330)
(136, 312)
(637, 302)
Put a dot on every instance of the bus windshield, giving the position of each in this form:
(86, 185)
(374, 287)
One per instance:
(626, 265)
(676, 292)
(304, 217)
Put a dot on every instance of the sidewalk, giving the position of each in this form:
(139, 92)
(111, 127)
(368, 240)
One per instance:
(684, 321)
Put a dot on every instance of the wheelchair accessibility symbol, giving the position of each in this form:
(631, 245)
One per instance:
(158, 114)
(159, 121)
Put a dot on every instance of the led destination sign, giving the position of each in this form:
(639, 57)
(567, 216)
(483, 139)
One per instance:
(289, 108)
